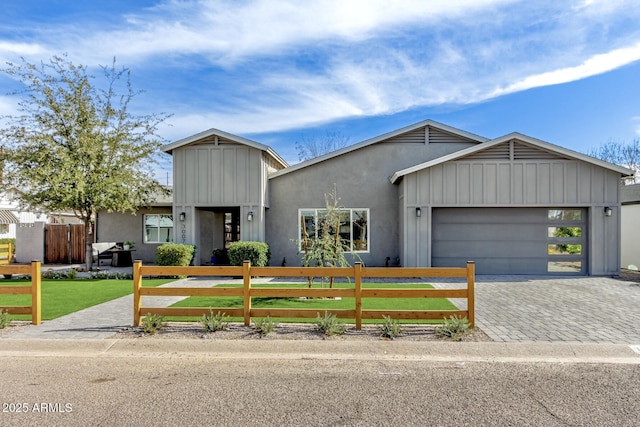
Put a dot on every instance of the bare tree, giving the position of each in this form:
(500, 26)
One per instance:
(314, 146)
(621, 153)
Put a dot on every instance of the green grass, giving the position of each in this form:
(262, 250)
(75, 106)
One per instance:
(61, 297)
(323, 304)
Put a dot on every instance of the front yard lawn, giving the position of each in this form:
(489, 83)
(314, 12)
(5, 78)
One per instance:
(323, 304)
(61, 297)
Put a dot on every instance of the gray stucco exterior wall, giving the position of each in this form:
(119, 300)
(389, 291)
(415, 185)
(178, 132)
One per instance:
(122, 227)
(362, 181)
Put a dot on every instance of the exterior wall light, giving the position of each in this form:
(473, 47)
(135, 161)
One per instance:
(182, 216)
(607, 211)
(250, 216)
(418, 212)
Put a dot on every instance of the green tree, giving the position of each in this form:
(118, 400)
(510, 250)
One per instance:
(75, 144)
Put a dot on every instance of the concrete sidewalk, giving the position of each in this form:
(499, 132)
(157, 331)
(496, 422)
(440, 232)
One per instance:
(100, 321)
(330, 349)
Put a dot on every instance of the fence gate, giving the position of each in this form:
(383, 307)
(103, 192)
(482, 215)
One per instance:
(64, 243)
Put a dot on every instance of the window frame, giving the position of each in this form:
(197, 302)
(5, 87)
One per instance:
(351, 211)
(158, 228)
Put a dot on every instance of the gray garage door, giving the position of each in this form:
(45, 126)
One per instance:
(511, 240)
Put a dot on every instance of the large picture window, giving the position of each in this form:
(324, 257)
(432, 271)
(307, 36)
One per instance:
(158, 228)
(354, 227)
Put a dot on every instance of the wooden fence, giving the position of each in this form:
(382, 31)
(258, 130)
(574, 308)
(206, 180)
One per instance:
(65, 243)
(6, 253)
(35, 309)
(247, 292)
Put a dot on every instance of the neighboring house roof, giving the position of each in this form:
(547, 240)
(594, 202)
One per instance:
(231, 137)
(551, 148)
(448, 129)
(7, 217)
(630, 194)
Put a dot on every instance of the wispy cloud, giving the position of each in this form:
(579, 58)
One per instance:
(264, 65)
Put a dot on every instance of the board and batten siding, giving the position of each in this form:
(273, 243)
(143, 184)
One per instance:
(558, 183)
(219, 176)
(552, 183)
(209, 175)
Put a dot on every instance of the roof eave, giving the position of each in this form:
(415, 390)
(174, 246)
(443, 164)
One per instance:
(379, 138)
(514, 135)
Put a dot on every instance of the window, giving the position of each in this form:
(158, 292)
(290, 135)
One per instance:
(158, 228)
(4, 228)
(566, 241)
(354, 227)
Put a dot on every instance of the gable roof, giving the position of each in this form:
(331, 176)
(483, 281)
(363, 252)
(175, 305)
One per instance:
(228, 136)
(377, 139)
(545, 146)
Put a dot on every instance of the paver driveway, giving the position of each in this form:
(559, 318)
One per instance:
(581, 309)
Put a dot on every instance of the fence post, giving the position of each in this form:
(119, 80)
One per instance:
(471, 274)
(246, 275)
(357, 273)
(36, 294)
(137, 284)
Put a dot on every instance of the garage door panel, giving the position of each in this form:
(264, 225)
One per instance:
(497, 249)
(497, 265)
(498, 240)
(491, 215)
(508, 232)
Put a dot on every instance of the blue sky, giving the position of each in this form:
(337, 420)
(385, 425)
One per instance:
(567, 72)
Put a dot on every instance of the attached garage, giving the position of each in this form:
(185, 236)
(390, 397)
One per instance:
(513, 205)
(511, 240)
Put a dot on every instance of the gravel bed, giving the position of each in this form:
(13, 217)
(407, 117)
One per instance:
(288, 331)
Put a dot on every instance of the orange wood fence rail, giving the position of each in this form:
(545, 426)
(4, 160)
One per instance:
(35, 309)
(247, 292)
(6, 253)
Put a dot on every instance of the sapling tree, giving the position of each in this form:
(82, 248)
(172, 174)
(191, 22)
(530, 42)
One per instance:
(76, 146)
(325, 247)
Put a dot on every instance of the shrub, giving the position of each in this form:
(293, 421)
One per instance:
(13, 243)
(152, 323)
(264, 325)
(215, 322)
(329, 325)
(257, 253)
(105, 275)
(454, 328)
(390, 328)
(175, 254)
(5, 319)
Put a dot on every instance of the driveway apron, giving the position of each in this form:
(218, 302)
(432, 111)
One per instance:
(544, 309)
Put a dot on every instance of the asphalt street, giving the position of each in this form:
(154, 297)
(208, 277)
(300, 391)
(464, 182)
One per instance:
(379, 384)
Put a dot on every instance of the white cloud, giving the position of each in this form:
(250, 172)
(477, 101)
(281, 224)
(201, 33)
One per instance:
(594, 65)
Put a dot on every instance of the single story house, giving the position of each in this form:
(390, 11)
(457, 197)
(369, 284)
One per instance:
(424, 195)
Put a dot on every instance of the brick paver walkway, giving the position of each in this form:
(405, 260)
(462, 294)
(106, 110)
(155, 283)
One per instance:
(543, 309)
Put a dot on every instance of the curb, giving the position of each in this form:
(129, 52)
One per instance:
(488, 352)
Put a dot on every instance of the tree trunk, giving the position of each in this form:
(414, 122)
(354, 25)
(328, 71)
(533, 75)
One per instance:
(88, 236)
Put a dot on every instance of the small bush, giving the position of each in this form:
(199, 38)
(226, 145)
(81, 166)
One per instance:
(454, 328)
(72, 274)
(264, 325)
(13, 243)
(5, 319)
(329, 325)
(257, 253)
(215, 322)
(175, 254)
(390, 328)
(105, 275)
(152, 323)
